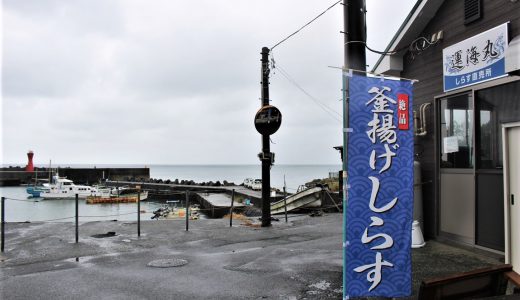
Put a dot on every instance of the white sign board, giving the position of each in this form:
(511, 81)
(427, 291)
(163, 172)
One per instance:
(477, 59)
(451, 144)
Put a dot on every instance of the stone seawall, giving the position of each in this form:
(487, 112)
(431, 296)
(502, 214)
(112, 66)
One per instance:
(16, 175)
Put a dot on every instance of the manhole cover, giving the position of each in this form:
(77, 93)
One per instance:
(167, 263)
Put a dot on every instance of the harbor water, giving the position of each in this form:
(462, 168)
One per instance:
(21, 208)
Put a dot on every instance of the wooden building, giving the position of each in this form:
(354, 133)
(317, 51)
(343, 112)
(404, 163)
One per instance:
(469, 145)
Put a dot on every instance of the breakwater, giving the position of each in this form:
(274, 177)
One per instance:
(331, 202)
(171, 189)
(14, 176)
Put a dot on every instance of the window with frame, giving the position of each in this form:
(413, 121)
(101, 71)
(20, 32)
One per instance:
(456, 132)
(494, 106)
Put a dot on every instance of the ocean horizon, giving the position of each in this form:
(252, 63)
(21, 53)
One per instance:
(294, 174)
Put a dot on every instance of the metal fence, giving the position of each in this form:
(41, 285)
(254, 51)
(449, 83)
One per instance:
(77, 215)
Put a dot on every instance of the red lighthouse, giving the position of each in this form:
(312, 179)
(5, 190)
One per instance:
(30, 166)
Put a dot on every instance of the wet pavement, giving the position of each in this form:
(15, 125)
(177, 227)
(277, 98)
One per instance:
(301, 259)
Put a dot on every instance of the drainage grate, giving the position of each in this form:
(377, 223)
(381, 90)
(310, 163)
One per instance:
(167, 263)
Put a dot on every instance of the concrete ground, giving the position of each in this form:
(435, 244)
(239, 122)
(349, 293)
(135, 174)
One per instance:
(298, 260)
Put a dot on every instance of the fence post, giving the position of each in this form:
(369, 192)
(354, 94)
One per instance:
(3, 224)
(231, 209)
(285, 199)
(139, 213)
(187, 210)
(77, 218)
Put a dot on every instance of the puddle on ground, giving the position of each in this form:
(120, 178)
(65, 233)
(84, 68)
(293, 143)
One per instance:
(167, 263)
(104, 235)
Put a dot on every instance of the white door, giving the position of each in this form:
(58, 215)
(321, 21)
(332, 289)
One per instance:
(513, 193)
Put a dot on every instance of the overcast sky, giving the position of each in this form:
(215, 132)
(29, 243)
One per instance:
(173, 81)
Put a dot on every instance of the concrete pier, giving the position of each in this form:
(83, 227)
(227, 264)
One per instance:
(217, 205)
(301, 259)
(241, 192)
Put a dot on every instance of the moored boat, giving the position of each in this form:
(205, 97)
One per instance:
(35, 190)
(38, 185)
(63, 188)
(114, 198)
(126, 190)
(304, 198)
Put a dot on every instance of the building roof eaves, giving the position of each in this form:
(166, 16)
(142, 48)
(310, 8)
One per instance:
(419, 16)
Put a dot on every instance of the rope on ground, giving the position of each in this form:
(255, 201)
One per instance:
(177, 219)
(327, 192)
(295, 215)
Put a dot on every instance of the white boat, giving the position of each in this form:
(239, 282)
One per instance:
(63, 188)
(126, 191)
(304, 198)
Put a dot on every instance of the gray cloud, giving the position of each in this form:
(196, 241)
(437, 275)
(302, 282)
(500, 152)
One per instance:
(134, 81)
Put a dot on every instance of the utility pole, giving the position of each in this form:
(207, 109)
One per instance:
(355, 30)
(267, 121)
(265, 156)
(355, 58)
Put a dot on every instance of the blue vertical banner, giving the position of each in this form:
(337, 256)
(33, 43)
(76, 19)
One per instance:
(379, 208)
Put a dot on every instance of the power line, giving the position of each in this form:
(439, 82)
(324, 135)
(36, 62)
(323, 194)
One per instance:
(415, 47)
(334, 114)
(375, 51)
(322, 105)
(307, 24)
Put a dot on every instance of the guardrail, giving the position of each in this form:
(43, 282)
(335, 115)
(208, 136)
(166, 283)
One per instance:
(77, 215)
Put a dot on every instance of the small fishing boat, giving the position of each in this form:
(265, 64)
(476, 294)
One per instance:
(113, 197)
(303, 198)
(127, 191)
(34, 190)
(39, 185)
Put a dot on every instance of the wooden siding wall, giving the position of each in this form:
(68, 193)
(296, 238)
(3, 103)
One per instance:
(428, 67)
